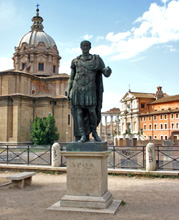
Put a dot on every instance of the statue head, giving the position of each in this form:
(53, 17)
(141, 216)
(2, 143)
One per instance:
(85, 46)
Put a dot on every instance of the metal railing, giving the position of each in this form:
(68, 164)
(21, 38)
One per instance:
(29, 155)
(167, 157)
(127, 157)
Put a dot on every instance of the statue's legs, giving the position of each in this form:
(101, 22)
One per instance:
(81, 124)
(93, 122)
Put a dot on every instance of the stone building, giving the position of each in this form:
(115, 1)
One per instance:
(148, 116)
(33, 88)
(161, 120)
(110, 127)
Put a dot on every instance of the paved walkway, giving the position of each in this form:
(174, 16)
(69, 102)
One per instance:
(145, 198)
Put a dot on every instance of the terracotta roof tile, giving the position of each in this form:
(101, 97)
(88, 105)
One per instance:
(143, 95)
(166, 99)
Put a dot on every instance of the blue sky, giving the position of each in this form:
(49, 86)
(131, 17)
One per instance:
(138, 39)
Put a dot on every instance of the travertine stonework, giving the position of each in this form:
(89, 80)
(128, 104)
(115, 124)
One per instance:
(27, 92)
(87, 181)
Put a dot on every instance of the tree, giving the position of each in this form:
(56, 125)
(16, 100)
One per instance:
(44, 131)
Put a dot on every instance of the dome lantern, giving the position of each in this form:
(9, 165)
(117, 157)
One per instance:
(37, 21)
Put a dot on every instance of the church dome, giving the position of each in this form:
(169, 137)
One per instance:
(33, 38)
(36, 35)
(36, 52)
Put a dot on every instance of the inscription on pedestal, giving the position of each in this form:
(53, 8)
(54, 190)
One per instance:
(85, 177)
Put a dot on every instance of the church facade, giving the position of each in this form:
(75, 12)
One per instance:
(34, 88)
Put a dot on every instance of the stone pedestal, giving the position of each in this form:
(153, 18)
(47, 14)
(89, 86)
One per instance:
(87, 181)
(56, 155)
(150, 157)
(87, 185)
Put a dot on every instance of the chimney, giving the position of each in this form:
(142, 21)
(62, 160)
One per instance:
(159, 93)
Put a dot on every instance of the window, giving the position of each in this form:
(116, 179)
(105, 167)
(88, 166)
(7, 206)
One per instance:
(141, 131)
(172, 125)
(23, 66)
(144, 118)
(144, 127)
(141, 118)
(166, 137)
(150, 118)
(65, 93)
(142, 105)
(123, 127)
(69, 120)
(155, 126)
(161, 117)
(172, 116)
(155, 137)
(165, 126)
(41, 67)
(161, 126)
(150, 127)
(155, 117)
(54, 67)
(150, 137)
(177, 115)
(135, 128)
(177, 125)
(165, 117)
(161, 137)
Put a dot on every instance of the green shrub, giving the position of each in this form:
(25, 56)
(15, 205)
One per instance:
(44, 131)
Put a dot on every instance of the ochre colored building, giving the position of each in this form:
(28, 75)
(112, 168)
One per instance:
(33, 88)
(148, 116)
(161, 119)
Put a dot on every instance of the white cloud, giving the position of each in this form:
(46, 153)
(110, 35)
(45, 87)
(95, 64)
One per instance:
(111, 100)
(102, 50)
(99, 38)
(65, 67)
(6, 63)
(156, 26)
(88, 37)
(117, 37)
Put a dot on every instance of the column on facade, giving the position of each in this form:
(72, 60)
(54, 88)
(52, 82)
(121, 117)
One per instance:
(112, 126)
(117, 124)
(100, 127)
(106, 127)
(125, 124)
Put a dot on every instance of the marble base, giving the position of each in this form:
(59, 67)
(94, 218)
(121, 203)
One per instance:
(111, 209)
(100, 202)
(87, 182)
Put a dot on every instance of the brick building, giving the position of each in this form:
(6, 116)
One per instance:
(161, 119)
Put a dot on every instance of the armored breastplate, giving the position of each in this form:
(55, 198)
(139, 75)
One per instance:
(84, 78)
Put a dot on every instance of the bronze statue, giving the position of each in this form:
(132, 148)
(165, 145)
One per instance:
(87, 90)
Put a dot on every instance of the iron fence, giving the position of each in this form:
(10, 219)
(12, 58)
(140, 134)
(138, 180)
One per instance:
(29, 155)
(126, 157)
(167, 157)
